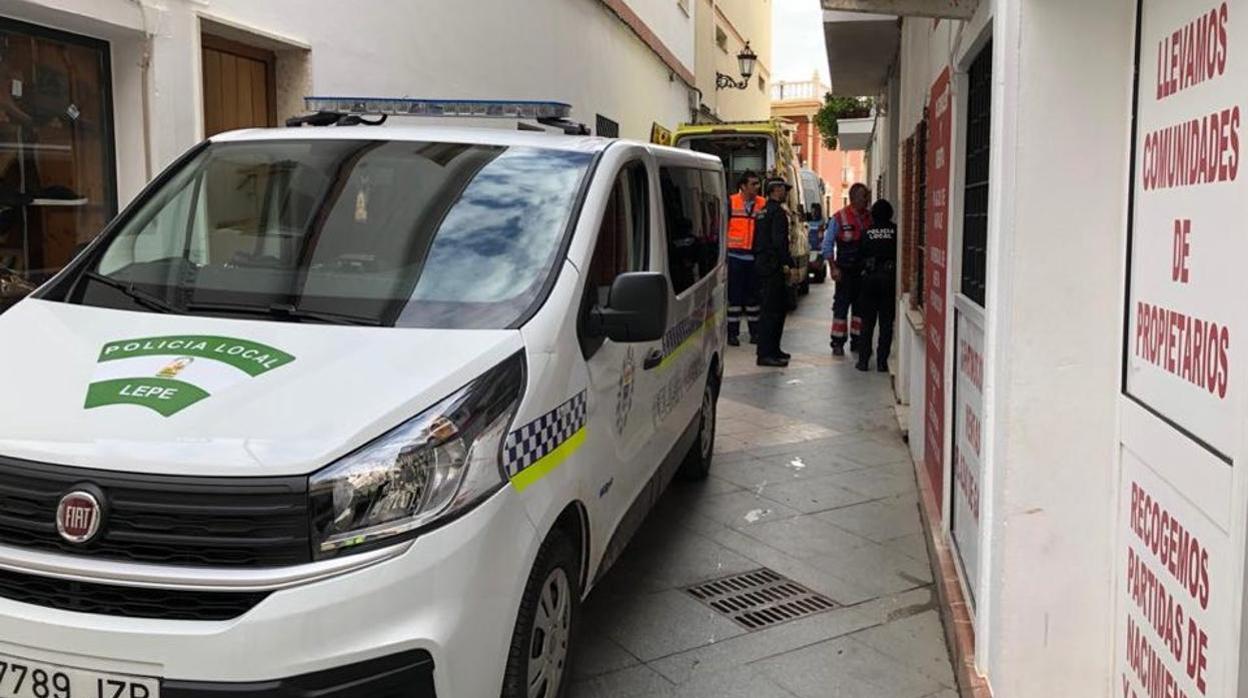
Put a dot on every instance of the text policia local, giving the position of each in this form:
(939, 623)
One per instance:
(1169, 552)
(1204, 149)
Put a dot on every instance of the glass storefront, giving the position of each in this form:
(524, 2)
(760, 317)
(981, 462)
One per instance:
(57, 173)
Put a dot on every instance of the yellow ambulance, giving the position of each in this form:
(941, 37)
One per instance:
(765, 147)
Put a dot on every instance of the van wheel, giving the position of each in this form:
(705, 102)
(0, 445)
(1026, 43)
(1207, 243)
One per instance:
(697, 464)
(538, 663)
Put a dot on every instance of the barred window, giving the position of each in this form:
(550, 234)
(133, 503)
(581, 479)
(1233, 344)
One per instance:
(975, 192)
(919, 222)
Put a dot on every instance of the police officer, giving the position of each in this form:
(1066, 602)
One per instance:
(840, 248)
(771, 264)
(747, 208)
(877, 292)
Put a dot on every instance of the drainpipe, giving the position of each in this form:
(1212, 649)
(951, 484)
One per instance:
(145, 64)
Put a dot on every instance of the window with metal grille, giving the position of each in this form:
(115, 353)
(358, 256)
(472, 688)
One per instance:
(907, 214)
(975, 189)
(920, 212)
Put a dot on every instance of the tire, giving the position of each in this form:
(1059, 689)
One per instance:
(804, 289)
(697, 463)
(554, 582)
(821, 275)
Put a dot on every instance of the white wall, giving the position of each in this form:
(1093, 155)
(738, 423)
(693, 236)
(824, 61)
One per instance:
(671, 24)
(574, 51)
(1058, 291)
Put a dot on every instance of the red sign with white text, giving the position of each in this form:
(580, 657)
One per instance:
(935, 292)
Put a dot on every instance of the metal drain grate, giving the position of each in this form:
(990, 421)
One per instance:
(760, 599)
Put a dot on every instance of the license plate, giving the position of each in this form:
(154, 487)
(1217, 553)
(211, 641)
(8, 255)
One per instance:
(22, 678)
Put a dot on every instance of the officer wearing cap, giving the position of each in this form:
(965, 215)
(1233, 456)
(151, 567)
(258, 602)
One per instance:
(771, 264)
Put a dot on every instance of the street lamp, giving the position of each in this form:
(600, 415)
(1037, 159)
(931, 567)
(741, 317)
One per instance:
(746, 61)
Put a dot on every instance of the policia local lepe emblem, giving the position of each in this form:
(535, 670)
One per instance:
(169, 374)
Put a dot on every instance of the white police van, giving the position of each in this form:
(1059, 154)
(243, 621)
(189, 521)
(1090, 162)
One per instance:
(353, 412)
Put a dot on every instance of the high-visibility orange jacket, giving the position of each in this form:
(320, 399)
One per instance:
(741, 223)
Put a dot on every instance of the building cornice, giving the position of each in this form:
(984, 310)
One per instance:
(652, 41)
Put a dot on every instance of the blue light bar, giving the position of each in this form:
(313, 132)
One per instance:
(478, 108)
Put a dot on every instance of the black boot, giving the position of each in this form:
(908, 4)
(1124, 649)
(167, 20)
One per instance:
(838, 348)
(864, 362)
(734, 340)
(881, 364)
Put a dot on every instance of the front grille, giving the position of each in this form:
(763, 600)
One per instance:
(165, 520)
(128, 602)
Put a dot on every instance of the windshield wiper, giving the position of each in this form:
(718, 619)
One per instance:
(295, 312)
(285, 312)
(143, 298)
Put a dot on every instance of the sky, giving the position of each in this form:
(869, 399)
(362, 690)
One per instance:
(797, 40)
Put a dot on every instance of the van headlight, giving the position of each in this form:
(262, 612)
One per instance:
(433, 467)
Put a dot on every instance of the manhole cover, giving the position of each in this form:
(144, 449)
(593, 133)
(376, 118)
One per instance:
(760, 599)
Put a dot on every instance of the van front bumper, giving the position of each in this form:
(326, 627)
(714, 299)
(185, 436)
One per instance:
(406, 675)
(436, 618)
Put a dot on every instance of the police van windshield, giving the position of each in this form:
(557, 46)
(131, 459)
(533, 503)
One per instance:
(372, 232)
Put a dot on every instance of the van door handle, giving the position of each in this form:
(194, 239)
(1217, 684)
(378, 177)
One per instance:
(653, 359)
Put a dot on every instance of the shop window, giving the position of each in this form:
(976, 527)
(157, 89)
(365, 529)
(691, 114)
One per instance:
(975, 193)
(693, 213)
(57, 173)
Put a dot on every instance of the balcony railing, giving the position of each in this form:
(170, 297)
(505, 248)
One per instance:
(804, 91)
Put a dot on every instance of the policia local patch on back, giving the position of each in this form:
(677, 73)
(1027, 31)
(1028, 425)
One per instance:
(169, 374)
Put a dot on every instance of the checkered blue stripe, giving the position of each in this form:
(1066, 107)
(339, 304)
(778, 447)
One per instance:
(535, 440)
(684, 329)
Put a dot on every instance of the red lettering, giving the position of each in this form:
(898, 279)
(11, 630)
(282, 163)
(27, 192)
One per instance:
(1193, 53)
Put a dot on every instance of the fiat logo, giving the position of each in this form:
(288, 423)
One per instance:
(78, 516)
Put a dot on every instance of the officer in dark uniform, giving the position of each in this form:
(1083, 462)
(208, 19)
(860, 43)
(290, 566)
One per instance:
(840, 248)
(771, 262)
(877, 296)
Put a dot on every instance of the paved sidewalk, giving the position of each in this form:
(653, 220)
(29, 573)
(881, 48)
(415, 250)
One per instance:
(811, 480)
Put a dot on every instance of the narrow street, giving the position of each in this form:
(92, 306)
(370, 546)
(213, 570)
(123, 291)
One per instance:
(812, 481)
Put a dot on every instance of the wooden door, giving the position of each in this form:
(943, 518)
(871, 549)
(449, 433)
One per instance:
(238, 86)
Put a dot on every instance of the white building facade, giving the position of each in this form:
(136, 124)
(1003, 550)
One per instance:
(98, 95)
(1070, 297)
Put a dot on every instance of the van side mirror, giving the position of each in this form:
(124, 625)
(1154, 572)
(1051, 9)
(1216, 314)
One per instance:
(636, 310)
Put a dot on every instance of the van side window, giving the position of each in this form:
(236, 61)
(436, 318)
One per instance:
(623, 238)
(693, 212)
(715, 205)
